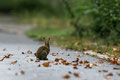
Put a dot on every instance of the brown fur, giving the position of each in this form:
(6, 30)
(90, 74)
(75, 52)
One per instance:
(43, 51)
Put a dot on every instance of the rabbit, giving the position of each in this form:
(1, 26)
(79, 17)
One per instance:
(43, 51)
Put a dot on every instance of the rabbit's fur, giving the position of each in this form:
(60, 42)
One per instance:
(43, 51)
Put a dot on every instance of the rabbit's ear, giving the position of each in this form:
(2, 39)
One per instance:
(49, 39)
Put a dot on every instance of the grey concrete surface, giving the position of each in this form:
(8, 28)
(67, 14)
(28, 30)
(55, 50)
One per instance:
(15, 44)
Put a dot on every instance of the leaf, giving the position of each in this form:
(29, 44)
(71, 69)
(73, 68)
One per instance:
(46, 64)
(53, 54)
(4, 49)
(116, 68)
(110, 74)
(66, 63)
(76, 75)
(66, 77)
(88, 66)
(37, 60)
(68, 54)
(94, 64)
(22, 72)
(31, 59)
(13, 62)
(38, 65)
(81, 62)
(57, 60)
(75, 67)
(23, 53)
(86, 62)
(118, 74)
(103, 70)
(29, 52)
(100, 61)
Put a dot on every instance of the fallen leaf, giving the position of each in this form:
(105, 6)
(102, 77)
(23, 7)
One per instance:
(114, 49)
(22, 72)
(56, 64)
(100, 61)
(13, 62)
(2, 59)
(75, 67)
(118, 74)
(66, 63)
(53, 54)
(88, 66)
(66, 77)
(81, 62)
(108, 79)
(103, 70)
(31, 59)
(94, 64)
(116, 68)
(29, 52)
(85, 62)
(75, 64)
(110, 74)
(23, 53)
(57, 60)
(68, 54)
(70, 72)
(76, 43)
(76, 75)
(4, 49)
(37, 60)
(38, 65)
(46, 64)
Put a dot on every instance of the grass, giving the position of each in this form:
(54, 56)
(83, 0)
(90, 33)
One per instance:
(59, 30)
(63, 38)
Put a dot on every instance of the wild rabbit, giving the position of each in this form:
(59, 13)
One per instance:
(43, 51)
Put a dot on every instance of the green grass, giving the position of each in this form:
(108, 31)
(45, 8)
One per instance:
(59, 30)
(62, 37)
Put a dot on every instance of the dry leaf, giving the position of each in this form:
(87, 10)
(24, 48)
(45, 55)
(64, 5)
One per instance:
(68, 54)
(53, 54)
(31, 59)
(46, 64)
(116, 68)
(103, 70)
(81, 62)
(38, 65)
(29, 52)
(66, 63)
(4, 49)
(57, 60)
(110, 74)
(76, 75)
(13, 62)
(88, 66)
(37, 60)
(22, 72)
(75, 64)
(70, 72)
(66, 77)
(75, 67)
(118, 74)
(100, 61)
(94, 64)
(23, 53)
(86, 62)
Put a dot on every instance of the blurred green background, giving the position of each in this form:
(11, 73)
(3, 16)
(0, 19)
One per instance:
(91, 21)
